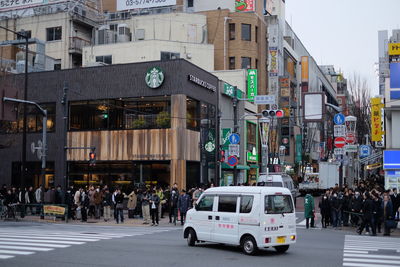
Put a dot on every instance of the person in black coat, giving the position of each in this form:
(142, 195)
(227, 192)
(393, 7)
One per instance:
(395, 198)
(368, 210)
(387, 212)
(378, 211)
(69, 201)
(355, 205)
(325, 210)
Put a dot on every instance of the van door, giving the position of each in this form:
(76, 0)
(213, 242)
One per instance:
(249, 215)
(279, 216)
(226, 220)
(203, 218)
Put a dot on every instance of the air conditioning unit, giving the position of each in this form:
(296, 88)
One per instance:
(124, 33)
(140, 34)
(104, 35)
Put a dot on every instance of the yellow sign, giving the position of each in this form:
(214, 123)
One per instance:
(376, 119)
(373, 166)
(394, 49)
(57, 210)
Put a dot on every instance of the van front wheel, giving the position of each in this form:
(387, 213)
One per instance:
(281, 249)
(191, 238)
(249, 245)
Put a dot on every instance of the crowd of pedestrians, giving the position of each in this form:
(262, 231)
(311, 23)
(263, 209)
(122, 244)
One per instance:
(102, 203)
(366, 206)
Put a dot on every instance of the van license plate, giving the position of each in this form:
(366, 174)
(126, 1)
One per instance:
(280, 239)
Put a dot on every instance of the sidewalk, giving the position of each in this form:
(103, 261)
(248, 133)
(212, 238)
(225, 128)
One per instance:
(137, 221)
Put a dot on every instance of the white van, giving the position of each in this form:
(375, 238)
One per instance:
(252, 217)
(278, 180)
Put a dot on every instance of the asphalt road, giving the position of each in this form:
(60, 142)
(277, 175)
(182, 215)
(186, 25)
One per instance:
(76, 245)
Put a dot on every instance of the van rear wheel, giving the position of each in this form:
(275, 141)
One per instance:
(281, 249)
(249, 245)
(191, 238)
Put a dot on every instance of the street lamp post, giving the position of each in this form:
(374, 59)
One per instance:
(23, 161)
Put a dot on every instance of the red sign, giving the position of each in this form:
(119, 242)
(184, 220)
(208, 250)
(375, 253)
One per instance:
(350, 138)
(233, 161)
(340, 142)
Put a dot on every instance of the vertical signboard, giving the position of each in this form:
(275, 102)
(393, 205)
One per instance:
(251, 84)
(273, 61)
(304, 74)
(244, 5)
(376, 119)
(299, 148)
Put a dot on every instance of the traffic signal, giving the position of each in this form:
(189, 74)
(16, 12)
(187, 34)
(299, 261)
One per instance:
(272, 113)
(222, 155)
(92, 159)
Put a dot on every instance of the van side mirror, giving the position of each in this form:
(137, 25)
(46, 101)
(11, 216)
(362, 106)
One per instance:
(196, 206)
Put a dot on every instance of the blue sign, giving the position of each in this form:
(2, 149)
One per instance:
(365, 151)
(234, 139)
(233, 161)
(391, 159)
(338, 119)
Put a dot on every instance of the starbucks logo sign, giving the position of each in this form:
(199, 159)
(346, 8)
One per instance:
(154, 77)
(209, 146)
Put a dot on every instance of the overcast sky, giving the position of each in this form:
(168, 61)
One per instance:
(344, 33)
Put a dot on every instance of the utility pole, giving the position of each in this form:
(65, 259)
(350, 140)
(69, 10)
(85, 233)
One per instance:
(64, 102)
(235, 127)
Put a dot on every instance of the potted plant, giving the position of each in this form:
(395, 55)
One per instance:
(139, 123)
(163, 119)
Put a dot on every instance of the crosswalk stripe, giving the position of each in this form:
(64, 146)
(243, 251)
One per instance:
(16, 252)
(62, 236)
(372, 260)
(3, 257)
(55, 238)
(372, 256)
(26, 248)
(42, 241)
(355, 251)
(354, 264)
(35, 244)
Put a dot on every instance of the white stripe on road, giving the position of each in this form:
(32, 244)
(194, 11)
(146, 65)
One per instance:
(355, 251)
(41, 241)
(353, 264)
(26, 248)
(35, 244)
(16, 252)
(372, 256)
(303, 222)
(3, 257)
(358, 248)
(54, 238)
(372, 261)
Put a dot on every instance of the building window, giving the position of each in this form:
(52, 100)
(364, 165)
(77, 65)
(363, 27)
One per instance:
(169, 55)
(256, 34)
(232, 31)
(127, 113)
(251, 136)
(246, 32)
(232, 63)
(256, 63)
(189, 3)
(29, 33)
(53, 34)
(104, 59)
(192, 114)
(57, 64)
(34, 119)
(246, 62)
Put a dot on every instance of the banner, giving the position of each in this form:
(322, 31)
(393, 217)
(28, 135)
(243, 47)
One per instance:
(14, 4)
(244, 5)
(299, 148)
(273, 61)
(56, 210)
(251, 84)
(376, 119)
(264, 132)
(137, 4)
(394, 49)
(304, 74)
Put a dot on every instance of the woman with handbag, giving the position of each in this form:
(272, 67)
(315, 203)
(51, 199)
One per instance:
(387, 210)
(154, 204)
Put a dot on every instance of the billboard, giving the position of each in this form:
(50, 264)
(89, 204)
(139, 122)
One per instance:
(137, 4)
(273, 61)
(7, 4)
(394, 49)
(376, 119)
(245, 5)
(394, 75)
(251, 84)
(314, 107)
(304, 74)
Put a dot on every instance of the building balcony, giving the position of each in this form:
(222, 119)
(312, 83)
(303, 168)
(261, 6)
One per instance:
(76, 45)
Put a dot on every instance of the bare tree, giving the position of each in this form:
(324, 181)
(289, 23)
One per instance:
(360, 95)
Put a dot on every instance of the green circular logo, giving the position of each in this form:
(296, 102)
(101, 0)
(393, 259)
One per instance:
(154, 77)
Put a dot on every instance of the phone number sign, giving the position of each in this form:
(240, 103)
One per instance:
(135, 4)
(14, 4)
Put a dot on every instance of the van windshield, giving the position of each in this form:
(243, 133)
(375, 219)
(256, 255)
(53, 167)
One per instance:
(277, 204)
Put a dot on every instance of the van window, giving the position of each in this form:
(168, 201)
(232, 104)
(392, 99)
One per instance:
(277, 204)
(206, 203)
(246, 203)
(227, 203)
(271, 184)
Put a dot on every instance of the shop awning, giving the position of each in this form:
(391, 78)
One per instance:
(254, 166)
(239, 167)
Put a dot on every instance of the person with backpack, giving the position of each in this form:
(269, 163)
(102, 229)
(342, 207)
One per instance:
(173, 204)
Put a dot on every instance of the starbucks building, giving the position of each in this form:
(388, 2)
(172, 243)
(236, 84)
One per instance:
(150, 122)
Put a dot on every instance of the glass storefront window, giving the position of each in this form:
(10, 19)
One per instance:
(192, 114)
(128, 113)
